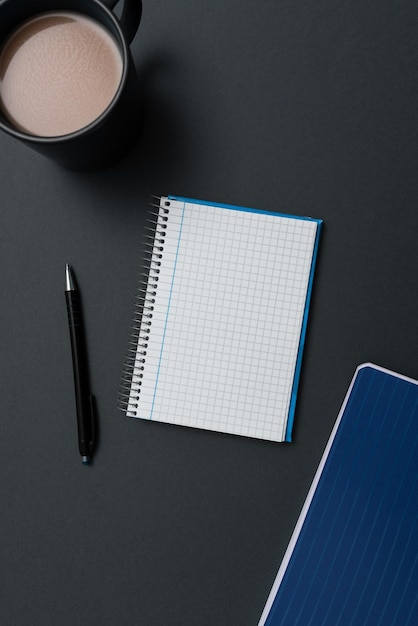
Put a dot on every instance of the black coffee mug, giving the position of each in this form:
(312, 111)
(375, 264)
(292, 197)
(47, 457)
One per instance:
(113, 133)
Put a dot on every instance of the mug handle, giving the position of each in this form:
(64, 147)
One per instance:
(130, 18)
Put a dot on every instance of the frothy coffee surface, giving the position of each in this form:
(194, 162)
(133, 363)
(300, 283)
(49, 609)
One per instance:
(58, 72)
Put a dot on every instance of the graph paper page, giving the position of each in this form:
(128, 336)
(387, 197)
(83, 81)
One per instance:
(225, 332)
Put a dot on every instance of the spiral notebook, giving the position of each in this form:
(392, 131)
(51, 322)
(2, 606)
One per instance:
(221, 318)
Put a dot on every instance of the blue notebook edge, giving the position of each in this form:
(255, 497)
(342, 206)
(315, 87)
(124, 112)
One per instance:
(298, 365)
(264, 619)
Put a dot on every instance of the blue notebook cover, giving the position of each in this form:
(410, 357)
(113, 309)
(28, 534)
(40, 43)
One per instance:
(353, 557)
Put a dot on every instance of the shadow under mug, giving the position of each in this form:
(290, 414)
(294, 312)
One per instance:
(111, 135)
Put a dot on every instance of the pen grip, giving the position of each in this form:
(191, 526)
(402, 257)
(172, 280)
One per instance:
(81, 379)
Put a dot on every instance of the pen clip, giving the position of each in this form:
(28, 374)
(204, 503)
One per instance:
(92, 423)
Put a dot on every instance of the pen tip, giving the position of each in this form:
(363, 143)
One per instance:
(85, 460)
(69, 283)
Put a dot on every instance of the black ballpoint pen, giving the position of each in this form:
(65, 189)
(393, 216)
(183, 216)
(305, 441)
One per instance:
(84, 400)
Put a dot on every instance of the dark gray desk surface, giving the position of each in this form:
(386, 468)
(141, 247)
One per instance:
(305, 107)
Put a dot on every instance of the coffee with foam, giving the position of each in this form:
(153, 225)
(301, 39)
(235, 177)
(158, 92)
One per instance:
(59, 71)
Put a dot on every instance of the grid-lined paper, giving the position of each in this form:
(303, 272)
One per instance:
(226, 326)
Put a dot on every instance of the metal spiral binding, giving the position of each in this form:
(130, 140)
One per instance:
(135, 359)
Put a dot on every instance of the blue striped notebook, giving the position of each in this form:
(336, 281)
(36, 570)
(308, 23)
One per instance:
(353, 557)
